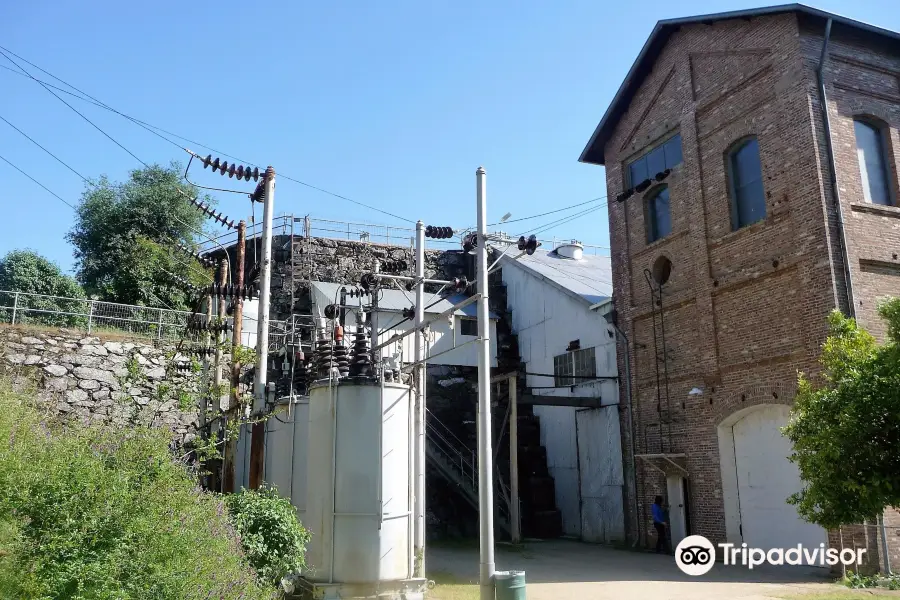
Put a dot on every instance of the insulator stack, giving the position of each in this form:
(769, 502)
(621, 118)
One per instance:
(232, 170)
(361, 359)
(409, 313)
(358, 292)
(190, 287)
(213, 214)
(205, 261)
(246, 292)
(183, 367)
(201, 351)
(440, 233)
(324, 358)
(470, 242)
(199, 323)
(342, 359)
(394, 266)
(259, 194)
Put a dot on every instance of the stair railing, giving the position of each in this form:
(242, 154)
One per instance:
(458, 454)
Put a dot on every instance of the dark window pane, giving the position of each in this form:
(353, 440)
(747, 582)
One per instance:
(748, 195)
(468, 327)
(638, 171)
(656, 162)
(872, 163)
(751, 203)
(673, 151)
(746, 166)
(659, 221)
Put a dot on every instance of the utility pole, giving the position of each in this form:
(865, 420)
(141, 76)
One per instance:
(258, 437)
(485, 468)
(216, 396)
(419, 432)
(234, 405)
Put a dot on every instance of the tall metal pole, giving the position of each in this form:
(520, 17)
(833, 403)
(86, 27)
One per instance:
(220, 340)
(420, 402)
(485, 468)
(257, 439)
(516, 524)
(265, 281)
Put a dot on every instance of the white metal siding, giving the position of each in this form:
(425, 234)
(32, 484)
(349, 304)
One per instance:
(602, 481)
(545, 319)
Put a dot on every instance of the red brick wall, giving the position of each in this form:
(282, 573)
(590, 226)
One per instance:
(744, 310)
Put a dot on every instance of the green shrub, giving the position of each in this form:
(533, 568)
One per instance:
(106, 513)
(271, 535)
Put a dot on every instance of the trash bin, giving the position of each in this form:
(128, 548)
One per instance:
(509, 585)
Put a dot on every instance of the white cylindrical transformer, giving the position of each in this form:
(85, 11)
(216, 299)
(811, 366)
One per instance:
(358, 507)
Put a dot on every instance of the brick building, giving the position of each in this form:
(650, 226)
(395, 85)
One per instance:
(727, 263)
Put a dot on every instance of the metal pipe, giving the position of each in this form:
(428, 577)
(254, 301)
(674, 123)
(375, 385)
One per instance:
(485, 469)
(419, 430)
(515, 523)
(634, 497)
(832, 163)
(411, 487)
(416, 278)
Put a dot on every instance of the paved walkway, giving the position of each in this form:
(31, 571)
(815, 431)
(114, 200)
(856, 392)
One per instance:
(559, 570)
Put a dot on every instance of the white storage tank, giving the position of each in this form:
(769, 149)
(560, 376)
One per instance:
(358, 492)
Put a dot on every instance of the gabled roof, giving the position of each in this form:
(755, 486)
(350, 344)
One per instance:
(594, 151)
(587, 279)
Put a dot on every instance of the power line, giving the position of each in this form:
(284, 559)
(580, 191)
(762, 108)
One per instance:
(564, 220)
(58, 97)
(58, 159)
(38, 182)
(546, 213)
(151, 129)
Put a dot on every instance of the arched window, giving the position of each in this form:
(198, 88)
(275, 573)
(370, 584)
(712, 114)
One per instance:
(872, 156)
(656, 211)
(748, 199)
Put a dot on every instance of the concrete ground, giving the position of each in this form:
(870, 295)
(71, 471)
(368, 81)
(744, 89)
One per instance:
(561, 569)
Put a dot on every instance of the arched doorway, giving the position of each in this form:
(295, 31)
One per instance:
(757, 479)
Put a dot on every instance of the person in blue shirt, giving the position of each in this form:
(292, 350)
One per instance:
(659, 523)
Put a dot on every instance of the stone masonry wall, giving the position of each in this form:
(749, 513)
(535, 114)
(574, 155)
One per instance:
(118, 382)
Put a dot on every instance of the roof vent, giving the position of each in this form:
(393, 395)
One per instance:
(573, 250)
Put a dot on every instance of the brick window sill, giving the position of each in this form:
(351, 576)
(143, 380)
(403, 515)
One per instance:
(877, 209)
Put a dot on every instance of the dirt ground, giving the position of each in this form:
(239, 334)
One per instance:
(560, 569)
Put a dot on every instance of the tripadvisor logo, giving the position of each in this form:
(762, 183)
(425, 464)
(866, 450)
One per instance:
(695, 555)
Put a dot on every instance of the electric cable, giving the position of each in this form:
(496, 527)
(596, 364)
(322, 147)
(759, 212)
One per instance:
(548, 212)
(151, 128)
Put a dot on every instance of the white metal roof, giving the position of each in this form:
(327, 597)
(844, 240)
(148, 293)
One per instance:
(589, 278)
(391, 299)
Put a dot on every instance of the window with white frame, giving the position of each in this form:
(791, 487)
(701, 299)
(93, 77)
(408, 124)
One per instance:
(468, 327)
(574, 367)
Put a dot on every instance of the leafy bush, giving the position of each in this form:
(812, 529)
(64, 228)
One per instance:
(27, 271)
(100, 513)
(271, 535)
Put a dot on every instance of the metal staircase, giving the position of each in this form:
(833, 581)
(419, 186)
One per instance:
(458, 464)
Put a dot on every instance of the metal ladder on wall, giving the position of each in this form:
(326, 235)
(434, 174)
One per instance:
(458, 464)
(661, 356)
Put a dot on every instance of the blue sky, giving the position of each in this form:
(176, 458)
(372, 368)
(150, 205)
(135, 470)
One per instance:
(391, 103)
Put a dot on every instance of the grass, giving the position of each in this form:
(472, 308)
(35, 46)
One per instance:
(842, 593)
(451, 587)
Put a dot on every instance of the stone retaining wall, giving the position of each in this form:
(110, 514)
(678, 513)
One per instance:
(119, 382)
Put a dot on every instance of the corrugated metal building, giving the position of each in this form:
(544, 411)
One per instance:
(569, 352)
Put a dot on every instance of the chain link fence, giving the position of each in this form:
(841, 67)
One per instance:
(91, 315)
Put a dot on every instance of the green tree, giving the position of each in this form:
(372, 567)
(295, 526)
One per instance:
(124, 237)
(29, 272)
(846, 431)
